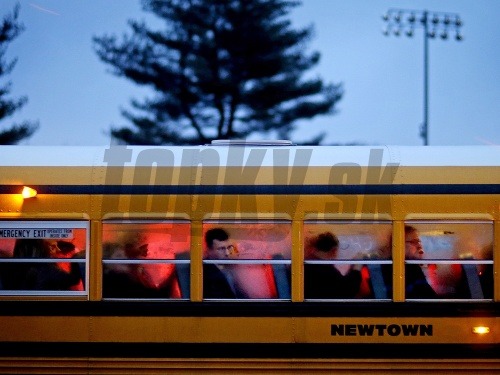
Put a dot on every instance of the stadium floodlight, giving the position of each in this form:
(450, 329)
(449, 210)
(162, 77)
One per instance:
(434, 24)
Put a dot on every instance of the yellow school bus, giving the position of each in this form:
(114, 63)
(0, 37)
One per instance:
(331, 258)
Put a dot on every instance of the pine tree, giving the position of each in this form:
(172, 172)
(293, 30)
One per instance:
(220, 69)
(9, 30)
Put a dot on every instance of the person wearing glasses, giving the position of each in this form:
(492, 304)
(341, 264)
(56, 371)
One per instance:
(215, 282)
(416, 283)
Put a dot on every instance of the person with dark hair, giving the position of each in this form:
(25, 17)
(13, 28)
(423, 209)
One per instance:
(416, 284)
(325, 281)
(39, 276)
(215, 283)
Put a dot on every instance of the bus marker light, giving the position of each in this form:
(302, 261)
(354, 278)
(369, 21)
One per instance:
(481, 330)
(28, 192)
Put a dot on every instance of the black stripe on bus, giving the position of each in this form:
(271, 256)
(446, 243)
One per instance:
(240, 309)
(127, 350)
(394, 189)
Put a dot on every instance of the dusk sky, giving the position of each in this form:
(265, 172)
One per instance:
(76, 99)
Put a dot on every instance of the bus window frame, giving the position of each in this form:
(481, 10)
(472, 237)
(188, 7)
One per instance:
(139, 261)
(458, 261)
(365, 262)
(286, 262)
(50, 224)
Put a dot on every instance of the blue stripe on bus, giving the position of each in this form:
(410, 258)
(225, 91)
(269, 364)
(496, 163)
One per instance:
(419, 189)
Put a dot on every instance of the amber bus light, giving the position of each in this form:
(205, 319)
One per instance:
(28, 192)
(481, 330)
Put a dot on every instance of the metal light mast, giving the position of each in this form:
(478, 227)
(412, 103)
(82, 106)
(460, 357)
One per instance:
(434, 24)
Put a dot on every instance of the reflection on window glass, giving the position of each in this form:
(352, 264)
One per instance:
(247, 259)
(42, 256)
(146, 259)
(449, 260)
(347, 260)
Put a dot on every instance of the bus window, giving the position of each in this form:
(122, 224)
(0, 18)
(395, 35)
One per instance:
(43, 257)
(454, 258)
(347, 260)
(146, 259)
(247, 259)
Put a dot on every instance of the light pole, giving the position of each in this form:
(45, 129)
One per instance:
(435, 24)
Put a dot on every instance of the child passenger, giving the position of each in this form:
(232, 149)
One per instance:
(325, 281)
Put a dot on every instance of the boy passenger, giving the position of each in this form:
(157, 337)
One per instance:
(416, 282)
(215, 282)
(325, 281)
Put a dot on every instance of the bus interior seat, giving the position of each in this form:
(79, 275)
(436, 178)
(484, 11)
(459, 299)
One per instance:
(82, 268)
(473, 282)
(377, 281)
(281, 278)
(182, 271)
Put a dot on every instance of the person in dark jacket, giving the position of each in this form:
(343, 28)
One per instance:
(325, 281)
(39, 276)
(416, 284)
(215, 282)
